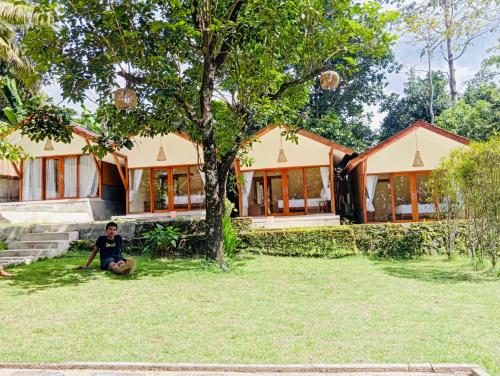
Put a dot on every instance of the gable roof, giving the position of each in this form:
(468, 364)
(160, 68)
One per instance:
(304, 133)
(417, 124)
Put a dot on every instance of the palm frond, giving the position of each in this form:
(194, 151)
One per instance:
(23, 14)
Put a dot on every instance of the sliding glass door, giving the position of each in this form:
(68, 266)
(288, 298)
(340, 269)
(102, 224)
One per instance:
(161, 189)
(290, 191)
(399, 197)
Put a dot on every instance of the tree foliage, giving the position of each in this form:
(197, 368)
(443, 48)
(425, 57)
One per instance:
(469, 180)
(413, 104)
(218, 70)
(476, 115)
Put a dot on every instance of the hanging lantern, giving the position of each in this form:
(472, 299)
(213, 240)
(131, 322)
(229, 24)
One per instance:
(282, 156)
(417, 161)
(48, 146)
(329, 80)
(161, 155)
(125, 99)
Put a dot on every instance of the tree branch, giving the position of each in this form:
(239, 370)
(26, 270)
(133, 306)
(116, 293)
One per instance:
(226, 45)
(286, 85)
(191, 115)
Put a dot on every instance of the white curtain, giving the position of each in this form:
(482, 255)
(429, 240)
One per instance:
(371, 185)
(247, 187)
(51, 178)
(136, 182)
(326, 193)
(89, 178)
(32, 179)
(70, 171)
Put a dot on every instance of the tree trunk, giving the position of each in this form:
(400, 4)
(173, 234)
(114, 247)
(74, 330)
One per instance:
(451, 68)
(431, 87)
(215, 191)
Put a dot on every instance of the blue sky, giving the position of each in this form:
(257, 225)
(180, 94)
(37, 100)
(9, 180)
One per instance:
(406, 54)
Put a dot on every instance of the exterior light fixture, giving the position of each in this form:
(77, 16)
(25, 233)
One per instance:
(417, 160)
(125, 99)
(161, 155)
(281, 154)
(48, 146)
(329, 80)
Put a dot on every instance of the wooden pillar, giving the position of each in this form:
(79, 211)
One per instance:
(237, 169)
(363, 190)
(332, 181)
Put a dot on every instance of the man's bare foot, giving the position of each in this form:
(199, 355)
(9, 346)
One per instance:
(3, 273)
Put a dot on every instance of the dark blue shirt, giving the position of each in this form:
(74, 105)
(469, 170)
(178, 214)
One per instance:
(109, 248)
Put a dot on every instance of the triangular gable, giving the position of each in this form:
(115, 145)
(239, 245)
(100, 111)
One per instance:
(304, 133)
(417, 124)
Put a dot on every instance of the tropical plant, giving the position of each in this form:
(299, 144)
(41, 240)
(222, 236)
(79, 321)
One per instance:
(16, 17)
(229, 237)
(161, 240)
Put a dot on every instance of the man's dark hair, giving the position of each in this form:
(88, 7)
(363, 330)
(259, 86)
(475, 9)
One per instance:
(111, 224)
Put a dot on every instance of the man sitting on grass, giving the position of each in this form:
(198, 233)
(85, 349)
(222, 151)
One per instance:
(110, 252)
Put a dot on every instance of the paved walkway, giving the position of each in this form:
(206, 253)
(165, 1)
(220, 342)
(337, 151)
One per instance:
(34, 372)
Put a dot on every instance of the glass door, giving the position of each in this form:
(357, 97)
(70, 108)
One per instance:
(426, 204)
(296, 191)
(161, 189)
(276, 204)
(52, 181)
(403, 197)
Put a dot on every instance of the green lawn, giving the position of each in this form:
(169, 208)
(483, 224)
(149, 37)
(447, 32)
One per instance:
(267, 310)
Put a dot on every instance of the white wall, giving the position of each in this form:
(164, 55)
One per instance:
(399, 155)
(306, 152)
(179, 151)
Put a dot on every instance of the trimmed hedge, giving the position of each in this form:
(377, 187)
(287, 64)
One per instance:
(405, 241)
(327, 242)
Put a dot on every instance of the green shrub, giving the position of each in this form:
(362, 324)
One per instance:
(229, 238)
(3, 246)
(160, 241)
(81, 246)
(406, 240)
(327, 242)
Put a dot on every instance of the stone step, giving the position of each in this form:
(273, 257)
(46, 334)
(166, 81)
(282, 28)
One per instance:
(11, 261)
(39, 244)
(41, 236)
(47, 252)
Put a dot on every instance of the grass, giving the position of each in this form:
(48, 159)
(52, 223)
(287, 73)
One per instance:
(267, 310)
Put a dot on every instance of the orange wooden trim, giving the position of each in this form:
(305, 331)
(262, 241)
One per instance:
(61, 176)
(304, 180)
(421, 172)
(265, 194)
(151, 190)
(78, 176)
(99, 169)
(363, 191)
(325, 141)
(16, 169)
(21, 180)
(419, 123)
(83, 132)
(284, 188)
(164, 166)
(237, 169)
(281, 168)
(189, 187)
(413, 196)
(332, 182)
(127, 203)
(393, 199)
(119, 167)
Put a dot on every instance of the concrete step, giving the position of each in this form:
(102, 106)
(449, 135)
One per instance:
(39, 244)
(10, 261)
(47, 252)
(41, 236)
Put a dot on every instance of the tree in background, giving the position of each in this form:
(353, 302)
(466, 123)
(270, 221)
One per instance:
(413, 104)
(15, 19)
(476, 115)
(470, 178)
(218, 70)
(453, 25)
(340, 115)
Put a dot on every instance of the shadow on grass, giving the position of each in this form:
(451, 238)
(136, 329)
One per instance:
(436, 271)
(62, 272)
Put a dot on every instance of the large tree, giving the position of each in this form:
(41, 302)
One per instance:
(218, 70)
(413, 105)
(476, 115)
(341, 115)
